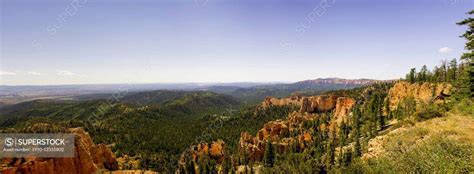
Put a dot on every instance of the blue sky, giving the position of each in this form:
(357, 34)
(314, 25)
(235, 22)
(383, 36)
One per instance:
(105, 41)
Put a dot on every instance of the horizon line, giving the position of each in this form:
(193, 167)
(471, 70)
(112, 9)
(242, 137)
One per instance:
(177, 83)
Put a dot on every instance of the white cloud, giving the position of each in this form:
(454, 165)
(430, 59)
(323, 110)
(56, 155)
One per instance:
(7, 73)
(445, 50)
(64, 73)
(34, 73)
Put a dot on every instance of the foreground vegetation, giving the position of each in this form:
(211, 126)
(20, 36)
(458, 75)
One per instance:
(443, 145)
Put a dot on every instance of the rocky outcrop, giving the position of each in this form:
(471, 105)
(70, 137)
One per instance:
(343, 107)
(214, 150)
(290, 132)
(293, 100)
(421, 92)
(278, 133)
(126, 162)
(89, 158)
(273, 130)
(315, 104)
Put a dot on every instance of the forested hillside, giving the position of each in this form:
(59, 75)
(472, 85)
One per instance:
(158, 117)
(152, 128)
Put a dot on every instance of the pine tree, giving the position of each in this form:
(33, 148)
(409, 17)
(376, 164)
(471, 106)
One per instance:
(465, 86)
(411, 76)
(356, 135)
(381, 121)
(422, 75)
(189, 164)
(436, 74)
(357, 146)
(269, 155)
(347, 158)
(331, 149)
(227, 165)
(342, 140)
(202, 165)
(444, 70)
(453, 70)
(387, 107)
(342, 133)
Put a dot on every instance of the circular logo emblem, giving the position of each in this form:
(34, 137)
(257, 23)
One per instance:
(9, 142)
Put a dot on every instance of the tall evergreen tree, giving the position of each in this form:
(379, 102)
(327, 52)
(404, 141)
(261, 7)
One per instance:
(436, 74)
(465, 87)
(387, 107)
(342, 140)
(411, 77)
(422, 75)
(331, 151)
(227, 164)
(381, 121)
(356, 134)
(269, 155)
(453, 70)
(444, 70)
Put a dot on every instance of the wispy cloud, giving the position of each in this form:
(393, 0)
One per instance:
(7, 73)
(64, 73)
(34, 73)
(445, 50)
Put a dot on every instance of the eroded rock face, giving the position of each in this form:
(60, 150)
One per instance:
(285, 133)
(314, 104)
(421, 92)
(214, 150)
(273, 130)
(278, 133)
(293, 100)
(89, 158)
(343, 107)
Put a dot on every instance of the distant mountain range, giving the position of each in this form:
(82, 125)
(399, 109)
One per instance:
(338, 81)
(306, 87)
(245, 91)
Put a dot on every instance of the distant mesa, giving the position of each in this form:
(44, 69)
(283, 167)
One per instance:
(339, 81)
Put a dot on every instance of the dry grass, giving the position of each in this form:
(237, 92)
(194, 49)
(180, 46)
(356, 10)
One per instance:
(443, 144)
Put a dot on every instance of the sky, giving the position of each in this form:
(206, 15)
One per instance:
(143, 41)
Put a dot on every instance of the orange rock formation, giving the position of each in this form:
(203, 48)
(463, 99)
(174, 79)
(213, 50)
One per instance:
(89, 158)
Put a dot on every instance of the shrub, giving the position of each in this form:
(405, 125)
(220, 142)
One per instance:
(465, 107)
(428, 111)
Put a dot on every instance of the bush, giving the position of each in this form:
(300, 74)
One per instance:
(428, 111)
(465, 107)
